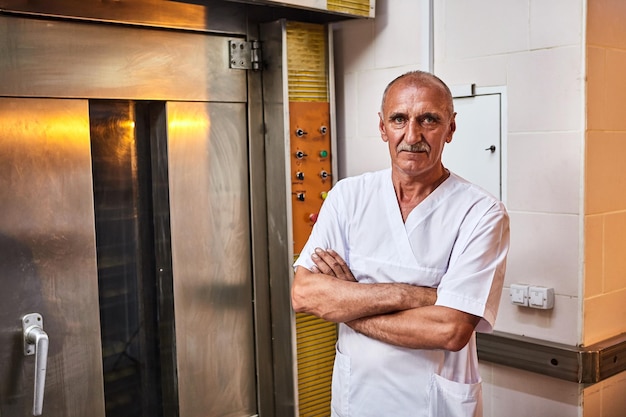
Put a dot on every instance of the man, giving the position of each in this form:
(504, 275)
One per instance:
(410, 261)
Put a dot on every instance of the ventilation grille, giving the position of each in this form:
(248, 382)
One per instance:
(306, 62)
(353, 7)
(316, 353)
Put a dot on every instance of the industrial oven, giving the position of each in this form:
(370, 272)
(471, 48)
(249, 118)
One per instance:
(161, 163)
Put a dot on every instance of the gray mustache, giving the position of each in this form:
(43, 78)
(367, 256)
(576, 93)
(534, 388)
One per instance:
(418, 147)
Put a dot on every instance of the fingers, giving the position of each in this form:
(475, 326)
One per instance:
(330, 263)
(321, 266)
(332, 259)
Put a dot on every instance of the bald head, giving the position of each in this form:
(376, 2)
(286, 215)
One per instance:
(420, 79)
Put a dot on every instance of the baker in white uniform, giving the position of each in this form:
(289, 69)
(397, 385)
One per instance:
(410, 262)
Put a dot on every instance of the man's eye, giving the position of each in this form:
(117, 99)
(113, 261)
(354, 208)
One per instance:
(398, 119)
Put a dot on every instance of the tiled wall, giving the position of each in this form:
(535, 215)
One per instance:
(606, 398)
(369, 54)
(605, 181)
(534, 49)
(509, 392)
(566, 189)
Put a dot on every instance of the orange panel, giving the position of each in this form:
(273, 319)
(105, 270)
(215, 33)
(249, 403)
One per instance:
(311, 173)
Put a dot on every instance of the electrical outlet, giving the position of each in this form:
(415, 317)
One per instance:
(519, 294)
(541, 297)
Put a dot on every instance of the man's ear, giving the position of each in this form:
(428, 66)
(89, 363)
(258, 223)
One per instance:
(452, 128)
(381, 128)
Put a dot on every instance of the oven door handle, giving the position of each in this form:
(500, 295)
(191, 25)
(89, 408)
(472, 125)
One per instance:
(36, 343)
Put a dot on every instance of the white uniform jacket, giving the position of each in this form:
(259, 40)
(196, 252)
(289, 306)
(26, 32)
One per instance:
(455, 240)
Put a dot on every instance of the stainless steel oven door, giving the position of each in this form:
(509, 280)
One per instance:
(47, 260)
(50, 251)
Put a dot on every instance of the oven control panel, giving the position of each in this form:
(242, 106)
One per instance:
(311, 173)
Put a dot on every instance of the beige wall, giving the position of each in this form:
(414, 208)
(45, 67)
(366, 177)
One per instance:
(566, 140)
(566, 145)
(604, 308)
(534, 49)
(606, 398)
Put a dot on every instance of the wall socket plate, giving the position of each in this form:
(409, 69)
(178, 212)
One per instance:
(519, 294)
(533, 296)
(541, 297)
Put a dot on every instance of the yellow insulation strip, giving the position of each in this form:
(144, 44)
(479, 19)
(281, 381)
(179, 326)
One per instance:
(354, 7)
(307, 62)
(315, 340)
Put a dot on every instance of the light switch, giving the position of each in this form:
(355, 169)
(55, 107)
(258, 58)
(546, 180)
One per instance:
(541, 297)
(519, 294)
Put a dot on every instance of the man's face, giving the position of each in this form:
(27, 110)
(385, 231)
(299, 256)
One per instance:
(416, 123)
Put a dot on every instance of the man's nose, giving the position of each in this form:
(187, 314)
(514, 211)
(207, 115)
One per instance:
(413, 133)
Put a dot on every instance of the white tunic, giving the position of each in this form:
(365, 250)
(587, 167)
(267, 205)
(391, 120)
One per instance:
(455, 240)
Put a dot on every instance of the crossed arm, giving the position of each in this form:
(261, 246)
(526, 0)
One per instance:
(395, 313)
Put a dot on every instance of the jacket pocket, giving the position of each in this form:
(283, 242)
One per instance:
(454, 399)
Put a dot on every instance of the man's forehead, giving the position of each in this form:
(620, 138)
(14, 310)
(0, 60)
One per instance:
(421, 97)
(417, 87)
(428, 104)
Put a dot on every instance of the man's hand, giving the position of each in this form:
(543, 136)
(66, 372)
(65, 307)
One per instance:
(328, 262)
(330, 291)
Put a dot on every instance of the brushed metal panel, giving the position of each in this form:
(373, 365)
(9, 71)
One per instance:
(68, 59)
(213, 15)
(276, 103)
(211, 258)
(48, 261)
(580, 364)
(260, 256)
(163, 256)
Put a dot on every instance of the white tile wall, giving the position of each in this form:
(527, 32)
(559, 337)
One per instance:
(542, 249)
(544, 172)
(545, 90)
(484, 71)
(370, 87)
(483, 28)
(535, 49)
(490, 43)
(545, 115)
(558, 325)
(360, 159)
(346, 102)
(353, 42)
(516, 393)
(369, 54)
(399, 33)
(555, 23)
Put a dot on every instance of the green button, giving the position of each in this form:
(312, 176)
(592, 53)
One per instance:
(323, 153)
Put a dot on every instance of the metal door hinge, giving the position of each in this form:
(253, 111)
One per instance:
(244, 54)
